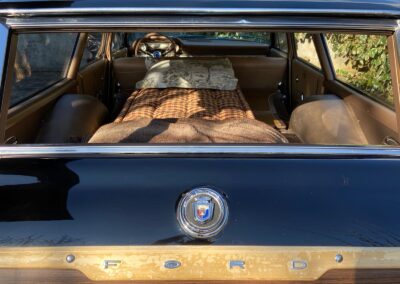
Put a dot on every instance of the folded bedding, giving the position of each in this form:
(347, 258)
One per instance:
(214, 74)
(187, 101)
(188, 130)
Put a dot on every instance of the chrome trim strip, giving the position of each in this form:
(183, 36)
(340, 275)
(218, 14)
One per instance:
(4, 98)
(394, 52)
(4, 32)
(194, 10)
(199, 22)
(286, 151)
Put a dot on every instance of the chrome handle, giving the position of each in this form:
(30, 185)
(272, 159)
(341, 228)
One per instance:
(11, 140)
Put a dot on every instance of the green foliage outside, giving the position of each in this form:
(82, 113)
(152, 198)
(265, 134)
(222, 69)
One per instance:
(368, 62)
(360, 61)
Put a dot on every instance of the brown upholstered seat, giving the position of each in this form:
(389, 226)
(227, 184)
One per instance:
(326, 119)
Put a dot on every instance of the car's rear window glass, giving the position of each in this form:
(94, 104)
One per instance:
(305, 49)
(41, 60)
(362, 62)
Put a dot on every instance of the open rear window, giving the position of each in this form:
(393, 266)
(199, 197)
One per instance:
(209, 87)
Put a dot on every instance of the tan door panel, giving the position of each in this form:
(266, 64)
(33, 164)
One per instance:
(128, 71)
(306, 81)
(91, 79)
(259, 77)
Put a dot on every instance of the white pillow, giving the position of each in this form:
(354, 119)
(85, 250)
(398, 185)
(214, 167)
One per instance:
(190, 74)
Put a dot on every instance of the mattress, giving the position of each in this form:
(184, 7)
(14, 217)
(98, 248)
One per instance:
(188, 130)
(177, 103)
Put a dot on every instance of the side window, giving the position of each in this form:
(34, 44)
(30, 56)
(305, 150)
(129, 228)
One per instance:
(281, 42)
(41, 60)
(135, 36)
(362, 62)
(305, 49)
(92, 50)
(117, 42)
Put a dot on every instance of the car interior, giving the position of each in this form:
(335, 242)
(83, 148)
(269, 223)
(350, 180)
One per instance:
(189, 87)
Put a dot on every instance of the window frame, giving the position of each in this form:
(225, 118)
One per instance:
(275, 42)
(296, 55)
(83, 24)
(64, 74)
(113, 38)
(351, 87)
(7, 57)
(96, 59)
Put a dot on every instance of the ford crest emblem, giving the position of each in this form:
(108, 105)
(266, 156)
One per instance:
(203, 209)
(202, 213)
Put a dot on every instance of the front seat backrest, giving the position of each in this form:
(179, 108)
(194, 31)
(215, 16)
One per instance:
(326, 119)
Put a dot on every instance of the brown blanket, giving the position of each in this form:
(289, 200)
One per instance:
(187, 131)
(185, 103)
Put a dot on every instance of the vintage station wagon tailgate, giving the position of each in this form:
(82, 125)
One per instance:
(293, 216)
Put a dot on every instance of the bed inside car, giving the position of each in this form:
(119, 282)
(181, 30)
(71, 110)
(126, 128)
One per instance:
(187, 101)
(191, 87)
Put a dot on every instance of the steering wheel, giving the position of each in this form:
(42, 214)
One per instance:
(143, 47)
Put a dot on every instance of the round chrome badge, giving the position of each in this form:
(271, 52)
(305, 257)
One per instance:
(202, 213)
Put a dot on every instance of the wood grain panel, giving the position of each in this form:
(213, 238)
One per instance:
(212, 263)
(60, 276)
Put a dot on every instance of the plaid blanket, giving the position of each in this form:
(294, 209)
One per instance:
(185, 103)
(188, 130)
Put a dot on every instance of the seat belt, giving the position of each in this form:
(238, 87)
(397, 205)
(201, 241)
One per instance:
(278, 122)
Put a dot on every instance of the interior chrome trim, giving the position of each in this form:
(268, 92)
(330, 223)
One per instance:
(284, 151)
(196, 10)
